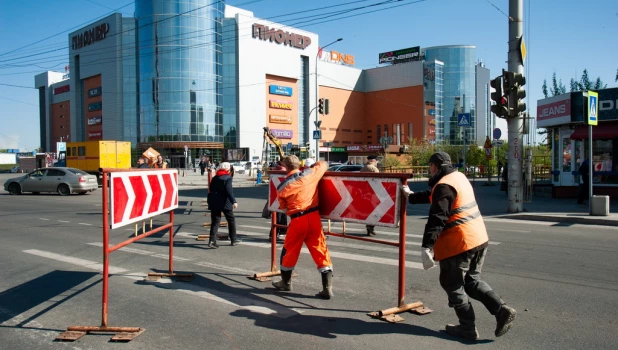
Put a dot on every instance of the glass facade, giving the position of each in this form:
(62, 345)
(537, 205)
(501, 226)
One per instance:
(303, 97)
(433, 82)
(459, 92)
(230, 82)
(130, 94)
(180, 71)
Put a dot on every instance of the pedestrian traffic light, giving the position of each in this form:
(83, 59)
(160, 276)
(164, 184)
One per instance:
(326, 106)
(321, 106)
(500, 108)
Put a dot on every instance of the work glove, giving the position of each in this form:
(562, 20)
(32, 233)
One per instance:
(427, 257)
(406, 190)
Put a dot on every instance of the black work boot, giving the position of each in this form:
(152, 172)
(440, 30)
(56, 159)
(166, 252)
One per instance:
(286, 281)
(327, 285)
(466, 327)
(504, 320)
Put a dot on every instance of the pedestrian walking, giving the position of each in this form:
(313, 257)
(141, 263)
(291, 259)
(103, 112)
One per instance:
(221, 200)
(142, 163)
(298, 194)
(371, 167)
(584, 172)
(160, 163)
(455, 235)
(202, 166)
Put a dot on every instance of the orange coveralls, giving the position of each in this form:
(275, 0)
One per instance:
(298, 193)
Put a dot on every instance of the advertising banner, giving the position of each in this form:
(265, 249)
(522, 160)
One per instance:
(399, 56)
(280, 119)
(280, 90)
(282, 134)
(280, 104)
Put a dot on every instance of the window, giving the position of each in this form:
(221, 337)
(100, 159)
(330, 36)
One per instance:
(61, 126)
(74, 153)
(81, 150)
(379, 132)
(68, 151)
(55, 172)
(409, 131)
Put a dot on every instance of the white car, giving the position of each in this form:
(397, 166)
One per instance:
(239, 168)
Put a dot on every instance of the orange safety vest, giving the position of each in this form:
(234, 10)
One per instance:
(299, 191)
(465, 228)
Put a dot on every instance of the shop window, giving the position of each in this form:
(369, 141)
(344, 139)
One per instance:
(81, 150)
(74, 153)
(68, 151)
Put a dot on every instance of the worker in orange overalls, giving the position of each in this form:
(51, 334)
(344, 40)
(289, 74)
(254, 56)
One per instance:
(298, 193)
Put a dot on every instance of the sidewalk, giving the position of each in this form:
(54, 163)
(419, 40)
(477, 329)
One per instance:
(494, 203)
(191, 178)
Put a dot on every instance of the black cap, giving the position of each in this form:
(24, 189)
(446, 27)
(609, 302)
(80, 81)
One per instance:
(440, 158)
(372, 157)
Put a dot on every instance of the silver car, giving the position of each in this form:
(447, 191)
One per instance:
(345, 167)
(64, 181)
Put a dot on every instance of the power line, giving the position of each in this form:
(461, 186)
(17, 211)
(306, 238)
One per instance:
(49, 37)
(28, 103)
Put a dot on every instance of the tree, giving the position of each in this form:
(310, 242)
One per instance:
(419, 152)
(557, 87)
(544, 87)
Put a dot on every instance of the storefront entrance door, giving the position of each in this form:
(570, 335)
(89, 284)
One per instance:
(568, 159)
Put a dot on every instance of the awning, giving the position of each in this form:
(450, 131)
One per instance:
(603, 131)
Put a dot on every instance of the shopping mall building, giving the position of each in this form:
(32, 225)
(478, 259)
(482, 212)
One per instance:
(563, 117)
(210, 77)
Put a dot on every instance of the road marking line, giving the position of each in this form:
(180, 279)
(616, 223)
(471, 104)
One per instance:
(93, 265)
(386, 233)
(255, 305)
(44, 219)
(63, 221)
(85, 224)
(141, 252)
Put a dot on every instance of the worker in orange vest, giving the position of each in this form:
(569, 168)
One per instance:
(455, 235)
(298, 194)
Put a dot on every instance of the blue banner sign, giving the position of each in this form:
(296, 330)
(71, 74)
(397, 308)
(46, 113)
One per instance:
(280, 90)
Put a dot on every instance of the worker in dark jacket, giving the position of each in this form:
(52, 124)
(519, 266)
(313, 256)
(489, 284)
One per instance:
(456, 234)
(221, 199)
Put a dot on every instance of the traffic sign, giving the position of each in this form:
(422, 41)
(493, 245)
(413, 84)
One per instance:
(317, 134)
(289, 145)
(138, 195)
(463, 119)
(593, 108)
(488, 153)
(366, 200)
(487, 143)
(497, 133)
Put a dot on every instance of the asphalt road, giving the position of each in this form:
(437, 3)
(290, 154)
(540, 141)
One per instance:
(560, 278)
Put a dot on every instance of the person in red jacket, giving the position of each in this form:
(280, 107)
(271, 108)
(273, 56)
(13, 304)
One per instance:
(298, 194)
(455, 235)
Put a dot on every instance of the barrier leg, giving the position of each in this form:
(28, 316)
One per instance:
(266, 276)
(124, 334)
(177, 276)
(391, 314)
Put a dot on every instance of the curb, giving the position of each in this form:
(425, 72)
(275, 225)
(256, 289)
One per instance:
(565, 219)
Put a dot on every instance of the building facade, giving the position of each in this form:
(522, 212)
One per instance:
(208, 78)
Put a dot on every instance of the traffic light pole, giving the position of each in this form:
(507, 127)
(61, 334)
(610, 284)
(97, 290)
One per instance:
(515, 124)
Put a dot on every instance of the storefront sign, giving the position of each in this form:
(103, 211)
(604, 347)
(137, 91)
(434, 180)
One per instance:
(280, 119)
(95, 92)
(95, 106)
(94, 120)
(335, 57)
(364, 148)
(399, 56)
(554, 113)
(94, 134)
(337, 149)
(280, 37)
(90, 36)
(62, 89)
(282, 134)
(280, 104)
(280, 90)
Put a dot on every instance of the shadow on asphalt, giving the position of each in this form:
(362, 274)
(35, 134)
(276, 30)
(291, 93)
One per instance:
(53, 288)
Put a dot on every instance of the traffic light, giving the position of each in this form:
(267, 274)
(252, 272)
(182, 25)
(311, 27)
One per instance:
(518, 94)
(321, 106)
(500, 109)
(326, 106)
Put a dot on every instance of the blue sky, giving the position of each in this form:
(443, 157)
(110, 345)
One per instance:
(565, 36)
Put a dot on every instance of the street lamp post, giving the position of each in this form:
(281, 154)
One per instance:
(317, 114)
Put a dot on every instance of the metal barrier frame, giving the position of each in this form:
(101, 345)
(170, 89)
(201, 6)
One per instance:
(124, 334)
(390, 314)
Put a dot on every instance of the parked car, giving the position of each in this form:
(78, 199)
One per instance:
(62, 180)
(344, 167)
(239, 168)
(15, 169)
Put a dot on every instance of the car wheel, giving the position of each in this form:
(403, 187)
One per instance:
(14, 189)
(64, 190)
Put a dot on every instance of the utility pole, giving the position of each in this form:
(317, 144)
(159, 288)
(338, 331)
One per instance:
(515, 184)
